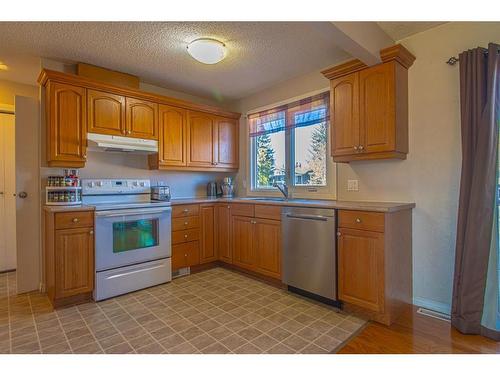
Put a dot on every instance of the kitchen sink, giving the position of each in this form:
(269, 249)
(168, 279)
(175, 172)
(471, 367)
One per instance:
(271, 199)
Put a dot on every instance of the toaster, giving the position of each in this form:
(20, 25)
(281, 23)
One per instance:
(160, 193)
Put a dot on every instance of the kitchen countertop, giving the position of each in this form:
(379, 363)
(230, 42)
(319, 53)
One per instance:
(317, 203)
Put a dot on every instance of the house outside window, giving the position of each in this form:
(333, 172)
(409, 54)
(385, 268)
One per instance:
(290, 144)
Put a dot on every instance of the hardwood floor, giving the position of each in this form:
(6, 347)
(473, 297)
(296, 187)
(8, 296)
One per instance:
(415, 333)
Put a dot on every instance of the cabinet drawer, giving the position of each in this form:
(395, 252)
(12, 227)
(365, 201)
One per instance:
(185, 255)
(187, 235)
(242, 209)
(185, 210)
(182, 223)
(373, 221)
(268, 212)
(74, 219)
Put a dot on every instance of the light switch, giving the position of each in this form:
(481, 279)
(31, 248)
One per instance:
(352, 185)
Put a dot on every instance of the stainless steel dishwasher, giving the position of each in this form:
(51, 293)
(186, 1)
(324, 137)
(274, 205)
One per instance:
(309, 252)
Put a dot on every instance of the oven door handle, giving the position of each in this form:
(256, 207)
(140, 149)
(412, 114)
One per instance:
(127, 212)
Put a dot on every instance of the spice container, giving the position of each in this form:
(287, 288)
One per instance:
(63, 190)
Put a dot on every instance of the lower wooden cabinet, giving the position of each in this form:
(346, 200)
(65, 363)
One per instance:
(69, 256)
(223, 230)
(375, 263)
(242, 238)
(208, 250)
(361, 268)
(185, 255)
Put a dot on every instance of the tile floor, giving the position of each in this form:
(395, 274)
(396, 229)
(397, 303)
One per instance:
(215, 311)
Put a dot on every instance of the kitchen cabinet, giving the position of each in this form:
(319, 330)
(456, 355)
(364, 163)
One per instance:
(369, 107)
(106, 113)
(191, 137)
(201, 140)
(268, 247)
(242, 241)
(208, 250)
(66, 118)
(74, 262)
(361, 268)
(227, 139)
(186, 235)
(223, 229)
(172, 142)
(69, 256)
(141, 118)
(375, 263)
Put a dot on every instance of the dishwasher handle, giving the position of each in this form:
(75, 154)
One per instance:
(308, 217)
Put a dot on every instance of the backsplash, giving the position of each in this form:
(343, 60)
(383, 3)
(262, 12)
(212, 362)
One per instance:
(126, 165)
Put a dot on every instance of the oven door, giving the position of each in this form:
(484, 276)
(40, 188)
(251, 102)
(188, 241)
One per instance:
(131, 236)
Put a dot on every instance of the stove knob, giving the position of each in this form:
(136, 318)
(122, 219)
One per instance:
(135, 183)
(143, 184)
(90, 184)
(99, 183)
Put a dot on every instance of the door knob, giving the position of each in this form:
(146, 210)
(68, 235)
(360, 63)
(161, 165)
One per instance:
(22, 194)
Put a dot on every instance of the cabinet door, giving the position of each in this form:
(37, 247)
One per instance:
(208, 249)
(242, 242)
(142, 119)
(201, 145)
(172, 136)
(361, 268)
(223, 228)
(74, 262)
(227, 143)
(344, 109)
(268, 247)
(106, 113)
(66, 125)
(185, 255)
(377, 108)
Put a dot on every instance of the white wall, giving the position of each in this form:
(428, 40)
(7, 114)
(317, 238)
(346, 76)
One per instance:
(430, 176)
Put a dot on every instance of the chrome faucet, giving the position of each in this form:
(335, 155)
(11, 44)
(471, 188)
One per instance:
(283, 188)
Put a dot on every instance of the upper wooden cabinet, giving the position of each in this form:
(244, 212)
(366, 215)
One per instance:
(106, 113)
(190, 136)
(172, 137)
(66, 118)
(201, 140)
(227, 143)
(369, 107)
(142, 118)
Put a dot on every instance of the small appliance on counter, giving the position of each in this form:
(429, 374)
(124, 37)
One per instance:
(212, 190)
(63, 190)
(227, 188)
(160, 192)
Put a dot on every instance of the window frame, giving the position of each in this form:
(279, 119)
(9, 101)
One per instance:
(317, 192)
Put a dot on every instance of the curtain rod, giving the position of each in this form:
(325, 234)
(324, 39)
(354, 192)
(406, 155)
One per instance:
(453, 60)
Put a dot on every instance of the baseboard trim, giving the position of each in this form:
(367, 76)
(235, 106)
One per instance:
(443, 308)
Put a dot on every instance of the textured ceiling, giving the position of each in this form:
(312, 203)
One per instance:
(260, 54)
(401, 30)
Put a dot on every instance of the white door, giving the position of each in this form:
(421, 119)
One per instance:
(7, 193)
(28, 194)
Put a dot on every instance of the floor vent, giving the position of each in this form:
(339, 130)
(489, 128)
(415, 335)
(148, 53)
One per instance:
(181, 272)
(433, 314)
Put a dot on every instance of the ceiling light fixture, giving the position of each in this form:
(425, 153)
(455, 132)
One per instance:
(206, 50)
(3, 66)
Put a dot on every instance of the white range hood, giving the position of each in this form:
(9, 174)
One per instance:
(113, 143)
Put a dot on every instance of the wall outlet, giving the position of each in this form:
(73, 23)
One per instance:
(352, 185)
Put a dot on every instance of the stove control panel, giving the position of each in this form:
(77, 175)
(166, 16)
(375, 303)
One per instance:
(113, 187)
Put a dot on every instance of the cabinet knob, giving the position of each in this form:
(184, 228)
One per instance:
(75, 220)
(253, 222)
(228, 207)
(185, 255)
(85, 156)
(361, 147)
(358, 220)
(91, 232)
(185, 210)
(185, 236)
(185, 223)
(129, 131)
(339, 234)
(356, 148)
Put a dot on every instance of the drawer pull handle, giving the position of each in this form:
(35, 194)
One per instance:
(185, 210)
(91, 232)
(358, 220)
(75, 220)
(185, 223)
(185, 236)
